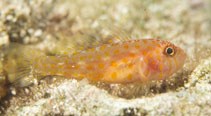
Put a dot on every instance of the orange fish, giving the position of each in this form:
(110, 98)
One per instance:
(141, 61)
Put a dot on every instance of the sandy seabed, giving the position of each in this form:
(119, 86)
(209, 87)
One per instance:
(54, 25)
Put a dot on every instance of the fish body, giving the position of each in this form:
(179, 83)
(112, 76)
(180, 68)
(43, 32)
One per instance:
(140, 60)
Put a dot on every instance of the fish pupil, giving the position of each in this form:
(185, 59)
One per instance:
(169, 51)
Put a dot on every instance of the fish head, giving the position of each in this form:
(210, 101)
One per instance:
(164, 60)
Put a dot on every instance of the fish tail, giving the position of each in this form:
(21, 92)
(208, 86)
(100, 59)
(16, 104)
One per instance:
(18, 65)
(24, 74)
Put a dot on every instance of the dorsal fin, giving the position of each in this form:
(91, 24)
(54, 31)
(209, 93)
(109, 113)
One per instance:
(85, 40)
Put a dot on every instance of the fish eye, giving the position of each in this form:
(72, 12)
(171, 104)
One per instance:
(169, 51)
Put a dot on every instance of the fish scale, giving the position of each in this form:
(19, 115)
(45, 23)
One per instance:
(140, 60)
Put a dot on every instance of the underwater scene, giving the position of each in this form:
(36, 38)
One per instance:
(105, 58)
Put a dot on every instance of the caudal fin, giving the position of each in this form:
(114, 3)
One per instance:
(18, 64)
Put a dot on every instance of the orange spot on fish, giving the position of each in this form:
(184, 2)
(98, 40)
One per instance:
(145, 41)
(90, 56)
(114, 75)
(101, 66)
(144, 53)
(114, 44)
(102, 47)
(66, 60)
(132, 54)
(125, 60)
(66, 73)
(157, 51)
(36, 66)
(52, 72)
(116, 51)
(126, 46)
(68, 48)
(114, 64)
(81, 76)
(75, 74)
(100, 75)
(60, 66)
(99, 57)
(159, 58)
(53, 65)
(137, 46)
(145, 60)
(118, 38)
(82, 58)
(153, 42)
(161, 75)
(130, 66)
(110, 41)
(36, 59)
(65, 53)
(147, 73)
(149, 48)
(77, 67)
(150, 55)
(73, 58)
(161, 67)
(129, 76)
(89, 67)
(87, 44)
(60, 72)
(44, 73)
(158, 45)
(75, 53)
(44, 65)
(91, 49)
(107, 53)
(81, 48)
(68, 66)
(93, 44)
